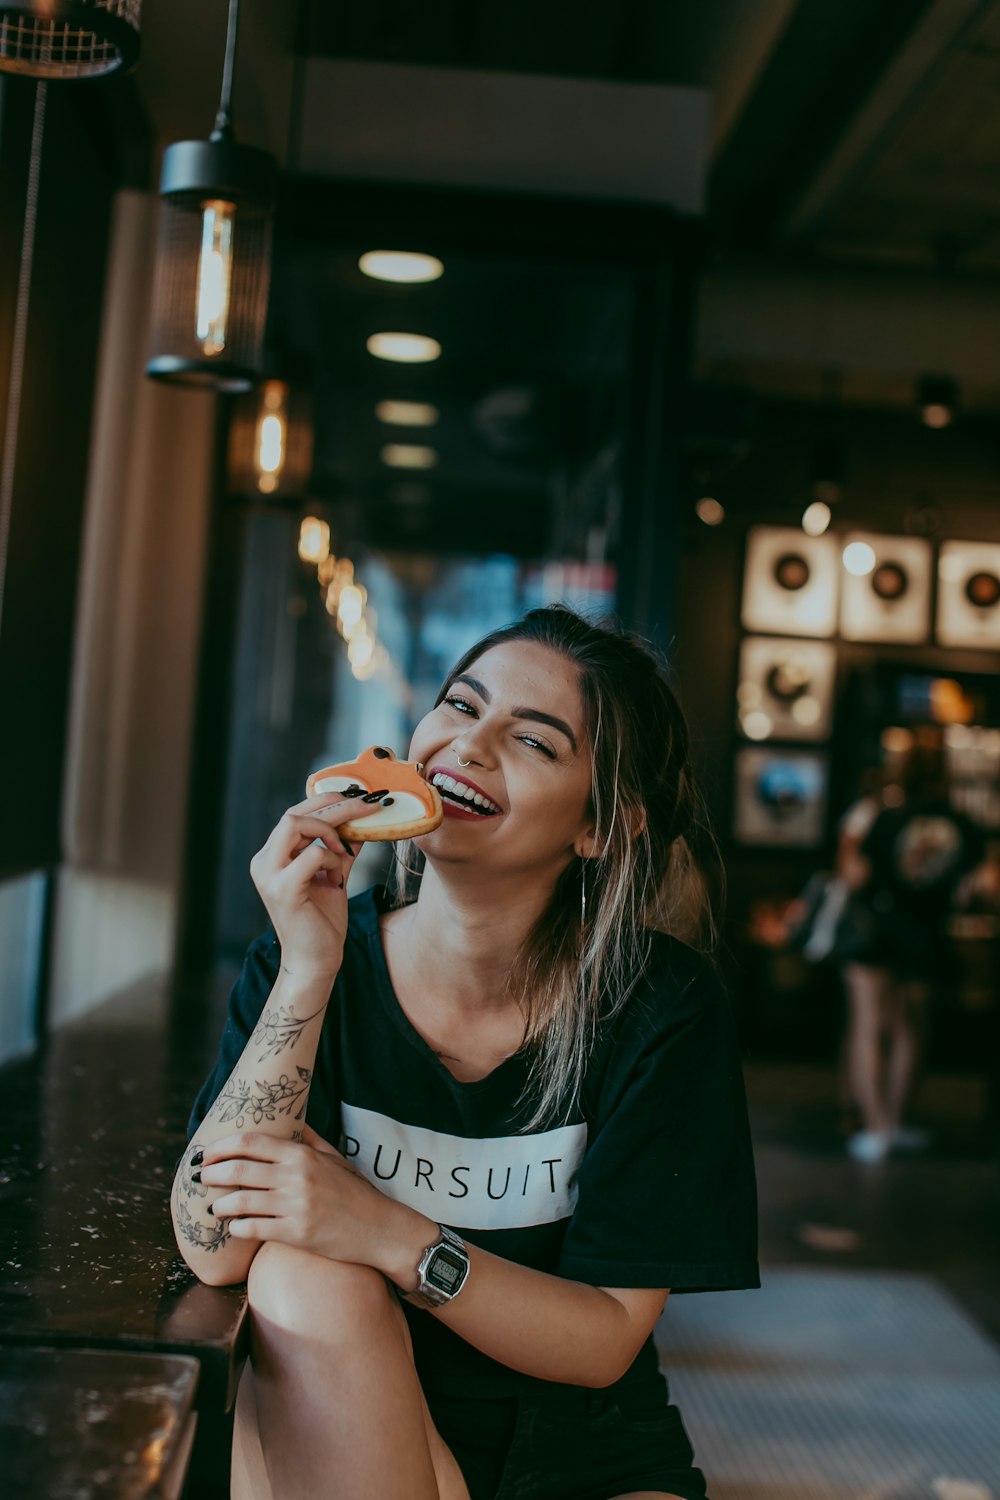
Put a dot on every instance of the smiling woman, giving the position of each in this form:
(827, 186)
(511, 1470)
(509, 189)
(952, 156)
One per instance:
(526, 1118)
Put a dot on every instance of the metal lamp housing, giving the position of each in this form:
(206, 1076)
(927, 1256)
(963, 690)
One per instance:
(68, 38)
(213, 264)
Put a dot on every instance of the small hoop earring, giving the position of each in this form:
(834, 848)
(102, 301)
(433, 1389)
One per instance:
(462, 763)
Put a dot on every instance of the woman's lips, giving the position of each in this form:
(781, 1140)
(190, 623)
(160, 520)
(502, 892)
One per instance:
(462, 795)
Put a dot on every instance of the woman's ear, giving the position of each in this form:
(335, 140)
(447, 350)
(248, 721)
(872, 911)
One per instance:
(589, 845)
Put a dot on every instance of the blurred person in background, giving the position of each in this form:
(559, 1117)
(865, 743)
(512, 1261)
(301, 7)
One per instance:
(907, 865)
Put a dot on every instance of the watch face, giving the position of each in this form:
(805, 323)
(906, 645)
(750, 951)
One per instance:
(446, 1270)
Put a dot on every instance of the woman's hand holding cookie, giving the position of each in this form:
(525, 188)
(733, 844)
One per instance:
(301, 877)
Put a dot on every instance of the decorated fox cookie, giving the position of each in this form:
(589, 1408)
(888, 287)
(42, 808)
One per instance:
(409, 805)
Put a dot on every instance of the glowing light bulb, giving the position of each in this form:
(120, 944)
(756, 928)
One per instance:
(314, 540)
(270, 442)
(215, 269)
(859, 559)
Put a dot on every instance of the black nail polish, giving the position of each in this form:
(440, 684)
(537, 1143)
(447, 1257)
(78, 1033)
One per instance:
(197, 1157)
(211, 1209)
(195, 1176)
(375, 796)
(388, 801)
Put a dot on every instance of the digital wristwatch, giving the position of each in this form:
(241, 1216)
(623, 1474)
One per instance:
(442, 1272)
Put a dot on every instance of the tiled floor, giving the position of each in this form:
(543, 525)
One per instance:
(937, 1214)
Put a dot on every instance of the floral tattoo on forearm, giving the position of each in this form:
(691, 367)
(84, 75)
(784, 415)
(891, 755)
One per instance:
(206, 1236)
(276, 1032)
(240, 1101)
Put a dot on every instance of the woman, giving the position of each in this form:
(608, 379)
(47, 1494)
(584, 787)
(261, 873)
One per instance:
(909, 863)
(536, 1104)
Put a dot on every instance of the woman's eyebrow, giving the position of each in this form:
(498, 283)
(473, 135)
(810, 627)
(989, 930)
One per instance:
(520, 713)
(543, 718)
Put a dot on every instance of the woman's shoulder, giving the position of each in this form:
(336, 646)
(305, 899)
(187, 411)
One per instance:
(677, 986)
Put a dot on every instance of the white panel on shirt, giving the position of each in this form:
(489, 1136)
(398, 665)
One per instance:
(502, 1182)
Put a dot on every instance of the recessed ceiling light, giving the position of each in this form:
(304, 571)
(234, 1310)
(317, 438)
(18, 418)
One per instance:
(407, 413)
(409, 456)
(400, 265)
(404, 348)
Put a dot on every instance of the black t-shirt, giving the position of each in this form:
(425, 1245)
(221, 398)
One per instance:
(650, 1184)
(919, 854)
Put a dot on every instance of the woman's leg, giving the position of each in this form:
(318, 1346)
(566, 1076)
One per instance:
(333, 1406)
(868, 995)
(906, 1037)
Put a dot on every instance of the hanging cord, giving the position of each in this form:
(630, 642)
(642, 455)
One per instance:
(20, 334)
(224, 119)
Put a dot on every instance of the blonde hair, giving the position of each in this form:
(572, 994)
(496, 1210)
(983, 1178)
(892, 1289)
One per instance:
(573, 971)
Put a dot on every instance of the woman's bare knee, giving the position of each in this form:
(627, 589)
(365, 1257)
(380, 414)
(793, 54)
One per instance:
(301, 1292)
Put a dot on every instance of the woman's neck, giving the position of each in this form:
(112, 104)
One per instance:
(465, 935)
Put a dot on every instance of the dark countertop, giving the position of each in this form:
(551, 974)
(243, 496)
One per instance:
(90, 1133)
(82, 1423)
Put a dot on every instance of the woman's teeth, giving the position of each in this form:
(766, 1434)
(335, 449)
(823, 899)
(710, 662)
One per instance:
(457, 791)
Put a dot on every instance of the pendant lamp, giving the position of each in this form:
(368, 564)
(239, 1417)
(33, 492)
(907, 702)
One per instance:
(271, 442)
(68, 38)
(213, 259)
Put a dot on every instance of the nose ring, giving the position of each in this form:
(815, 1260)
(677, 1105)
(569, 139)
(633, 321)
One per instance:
(462, 763)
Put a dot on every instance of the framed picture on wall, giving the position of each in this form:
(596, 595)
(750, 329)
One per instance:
(786, 688)
(780, 797)
(888, 597)
(968, 604)
(790, 582)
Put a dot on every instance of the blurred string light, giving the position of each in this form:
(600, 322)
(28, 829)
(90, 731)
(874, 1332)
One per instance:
(710, 511)
(345, 600)
(314, 540)
(403, 348)
(859, 559)
(400, 265)
(816, 518)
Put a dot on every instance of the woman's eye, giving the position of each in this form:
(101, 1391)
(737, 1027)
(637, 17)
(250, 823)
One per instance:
(462, 704)
(537, 744)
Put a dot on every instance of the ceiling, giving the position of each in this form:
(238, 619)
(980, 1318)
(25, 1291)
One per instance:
(852, 164)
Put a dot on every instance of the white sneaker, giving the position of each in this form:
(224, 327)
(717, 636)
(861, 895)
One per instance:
(869, 1145)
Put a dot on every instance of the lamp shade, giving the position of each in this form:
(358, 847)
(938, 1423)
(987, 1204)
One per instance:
(68, 38)
(213, 264)
(271, 443)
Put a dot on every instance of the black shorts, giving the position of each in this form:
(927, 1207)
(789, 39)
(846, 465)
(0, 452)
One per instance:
(568, 1443)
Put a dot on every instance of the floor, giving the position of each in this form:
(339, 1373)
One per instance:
(937, 1214)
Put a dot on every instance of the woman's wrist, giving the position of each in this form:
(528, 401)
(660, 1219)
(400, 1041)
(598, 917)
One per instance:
(406, 1235)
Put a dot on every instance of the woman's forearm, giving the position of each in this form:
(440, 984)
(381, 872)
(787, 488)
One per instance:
(267, 1091)
(541, 1325)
